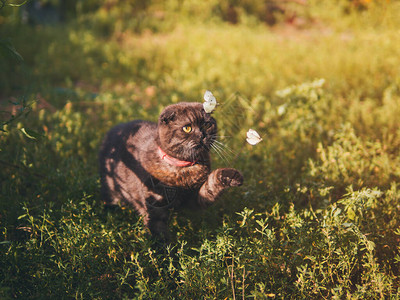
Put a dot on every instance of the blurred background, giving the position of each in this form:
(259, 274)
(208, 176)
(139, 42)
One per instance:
(318, 79)
(255, 46)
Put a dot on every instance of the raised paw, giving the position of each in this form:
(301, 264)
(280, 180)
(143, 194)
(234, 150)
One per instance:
(230, 177)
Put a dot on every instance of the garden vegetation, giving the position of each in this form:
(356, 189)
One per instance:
(318, 215)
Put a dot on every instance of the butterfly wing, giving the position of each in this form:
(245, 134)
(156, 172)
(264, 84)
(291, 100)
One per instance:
(253, 138)
(209, 107)
(209, 97)
(252, 141)
(209, 102)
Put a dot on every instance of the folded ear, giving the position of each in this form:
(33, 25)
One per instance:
(167, 116)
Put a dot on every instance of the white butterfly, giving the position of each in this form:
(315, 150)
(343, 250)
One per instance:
(253, 138)
(209, 102)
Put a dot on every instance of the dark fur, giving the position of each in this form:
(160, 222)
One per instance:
(132, 171)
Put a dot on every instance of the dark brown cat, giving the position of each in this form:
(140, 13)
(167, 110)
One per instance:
(158, 166)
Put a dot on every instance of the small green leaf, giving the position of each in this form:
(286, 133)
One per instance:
(370, 245)
(17, 4)
(351, 214)
(7, 50)
(31, 133)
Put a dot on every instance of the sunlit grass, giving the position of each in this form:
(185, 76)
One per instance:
(317, 216)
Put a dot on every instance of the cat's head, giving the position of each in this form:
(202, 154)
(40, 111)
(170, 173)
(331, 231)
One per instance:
(186, 131)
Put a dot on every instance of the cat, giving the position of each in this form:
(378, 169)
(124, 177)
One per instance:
(158, 166)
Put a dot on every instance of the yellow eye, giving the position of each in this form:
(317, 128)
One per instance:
(187, 128)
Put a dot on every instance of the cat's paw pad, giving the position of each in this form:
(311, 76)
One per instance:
(231, 177)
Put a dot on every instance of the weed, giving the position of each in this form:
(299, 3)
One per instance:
(318, 214)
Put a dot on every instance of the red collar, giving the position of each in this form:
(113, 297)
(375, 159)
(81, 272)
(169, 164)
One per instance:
(174, 161)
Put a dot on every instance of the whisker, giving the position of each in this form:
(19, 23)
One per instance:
(227, 156)
(217, 151)
(220, 153)
(221, 136)
(225, 147)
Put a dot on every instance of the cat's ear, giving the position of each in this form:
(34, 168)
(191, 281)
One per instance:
(167, 116)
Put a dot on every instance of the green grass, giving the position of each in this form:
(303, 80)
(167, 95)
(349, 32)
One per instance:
(317, 216)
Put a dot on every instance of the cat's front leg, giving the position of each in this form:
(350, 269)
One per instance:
(157, 222)
(216, 183)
